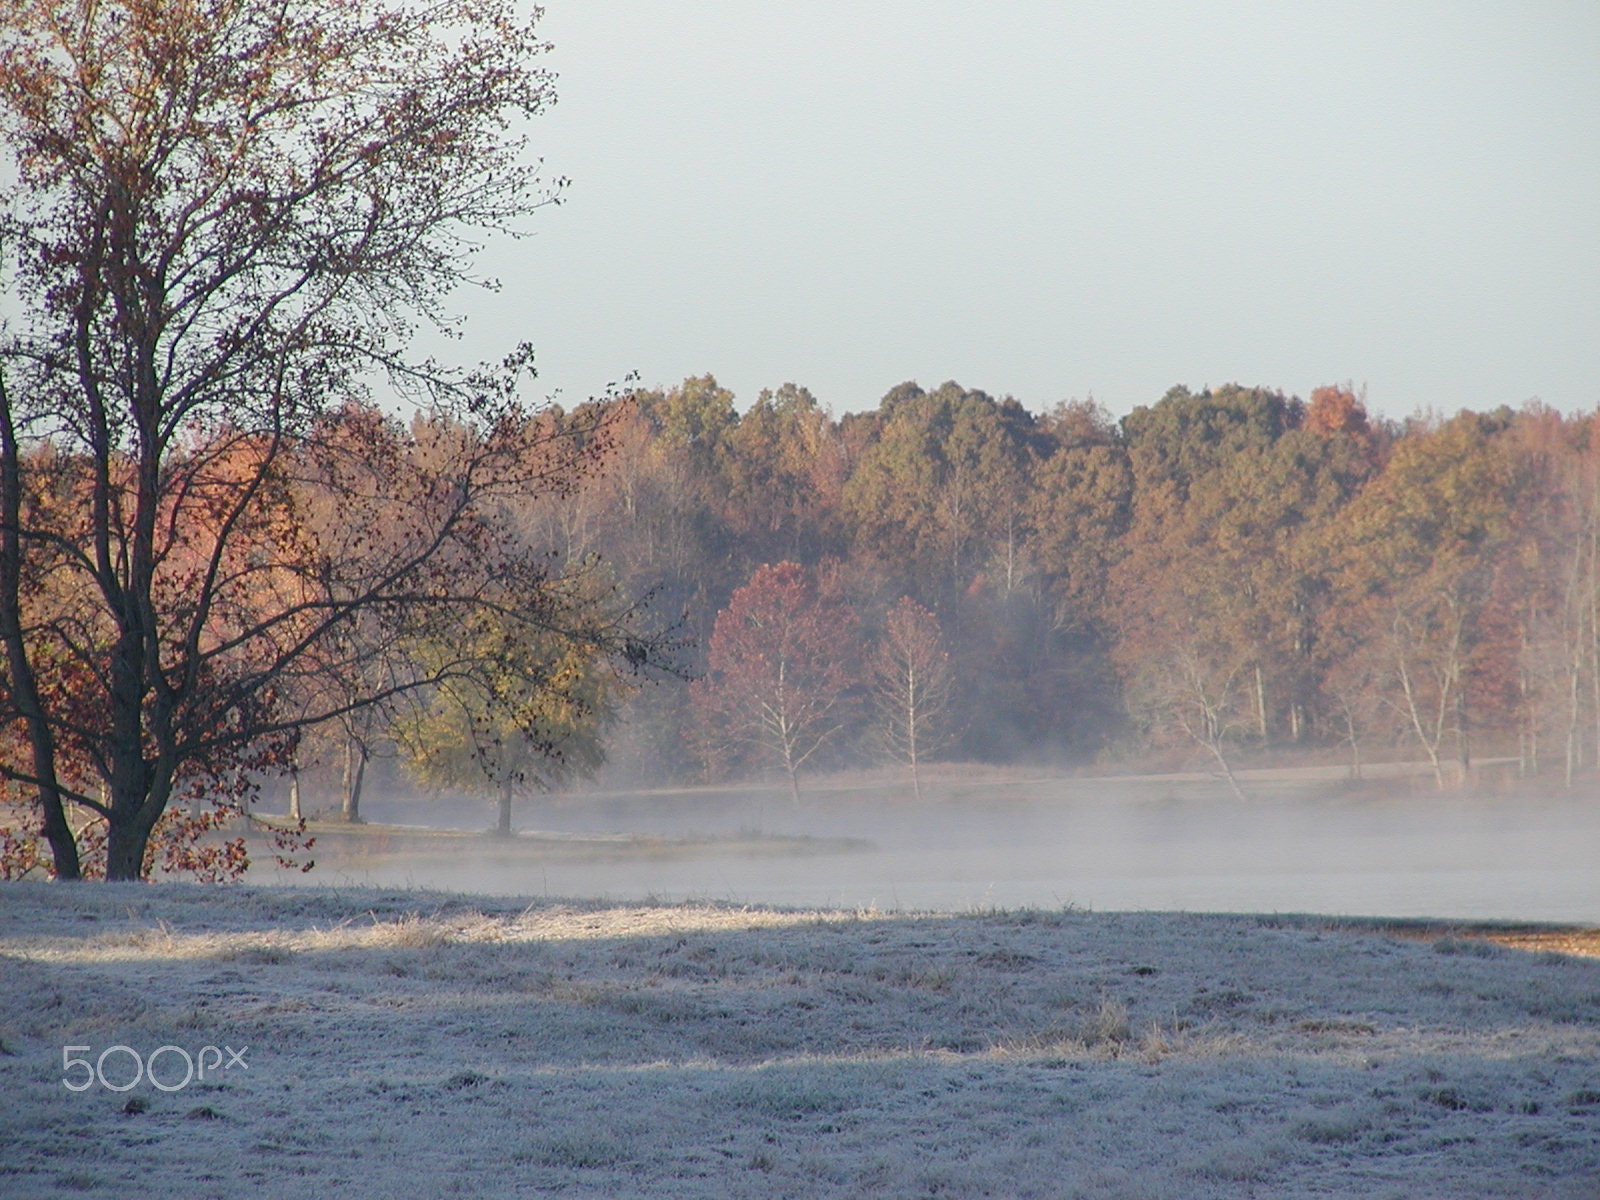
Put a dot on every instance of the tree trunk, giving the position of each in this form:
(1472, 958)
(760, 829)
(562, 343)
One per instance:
(1528, 741)
(1352, 734)
(1429, 744)
(1574, 701)
(355, 769)
(502, 826)
(1592, 638)
(24, 688)
(63, 846)
(125, 846)
(911, 732)
(1215, 746)
(294, 792)
(134, 812)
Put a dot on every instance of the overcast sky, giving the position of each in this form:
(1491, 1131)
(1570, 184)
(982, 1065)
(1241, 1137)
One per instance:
(1056, 200)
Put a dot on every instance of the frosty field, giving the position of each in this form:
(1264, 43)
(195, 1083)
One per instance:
(429, 1044)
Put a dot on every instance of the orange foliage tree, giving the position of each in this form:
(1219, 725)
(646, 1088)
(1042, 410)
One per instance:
(221, 218)
(780, 675)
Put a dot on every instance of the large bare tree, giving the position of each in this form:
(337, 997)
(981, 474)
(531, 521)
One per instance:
(221, 217)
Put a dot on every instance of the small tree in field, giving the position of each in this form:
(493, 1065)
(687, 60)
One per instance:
(780, 673)
(220, 216)
(533, 716)
(911, 685)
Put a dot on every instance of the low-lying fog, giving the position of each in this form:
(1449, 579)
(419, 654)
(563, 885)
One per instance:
(1153, 843)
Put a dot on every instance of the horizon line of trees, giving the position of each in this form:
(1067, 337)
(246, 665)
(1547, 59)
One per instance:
(948, 576)
(1221, 573)
(1225, 571)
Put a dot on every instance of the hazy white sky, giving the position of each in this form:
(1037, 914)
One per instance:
(1056, 199)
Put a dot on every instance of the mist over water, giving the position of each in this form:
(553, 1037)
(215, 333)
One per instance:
(1173, 844)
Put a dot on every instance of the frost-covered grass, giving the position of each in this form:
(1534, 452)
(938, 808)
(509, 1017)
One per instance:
(408, 1044)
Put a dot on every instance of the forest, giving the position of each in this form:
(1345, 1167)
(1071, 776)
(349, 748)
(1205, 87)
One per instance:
(1225, 575)
(1225, 572)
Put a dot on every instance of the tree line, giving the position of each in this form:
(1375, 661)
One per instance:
(1225, 571)
(685, 591)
